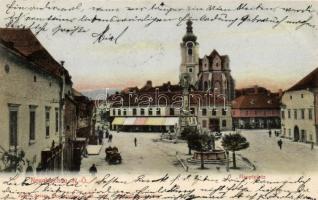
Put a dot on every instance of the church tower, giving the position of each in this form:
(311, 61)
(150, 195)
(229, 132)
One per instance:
(189, 56)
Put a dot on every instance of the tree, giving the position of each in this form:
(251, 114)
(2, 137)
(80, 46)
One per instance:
(234, 142)
(197, 142)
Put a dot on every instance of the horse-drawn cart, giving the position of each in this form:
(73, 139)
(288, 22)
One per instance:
(112, 155)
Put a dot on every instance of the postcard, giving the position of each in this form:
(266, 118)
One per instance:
(144, 99)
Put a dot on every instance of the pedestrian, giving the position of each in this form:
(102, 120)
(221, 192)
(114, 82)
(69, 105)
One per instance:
(110, 138)
(93, 169)
(270, 133)
(280, 143)
(100, 137)
(312, 145)
(135, 140)
(107, 133)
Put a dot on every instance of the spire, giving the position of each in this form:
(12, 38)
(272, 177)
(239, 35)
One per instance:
(189, 36)
(189, 26)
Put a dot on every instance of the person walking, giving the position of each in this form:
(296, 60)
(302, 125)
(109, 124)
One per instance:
(135, 141)
(312, 145)
(100, 137)
(93, 169)
(270, 133)
(110, 138)
(280, 143)
(107, 133)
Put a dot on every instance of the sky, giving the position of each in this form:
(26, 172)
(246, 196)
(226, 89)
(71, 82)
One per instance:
(259, 54)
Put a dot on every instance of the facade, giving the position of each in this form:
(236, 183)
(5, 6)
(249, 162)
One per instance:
(256, 108)
(299, 110)
(38, 109)
(158, 109)
(30, 100)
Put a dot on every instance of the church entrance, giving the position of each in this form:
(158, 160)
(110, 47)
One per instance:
(296, 133)
(214, 125)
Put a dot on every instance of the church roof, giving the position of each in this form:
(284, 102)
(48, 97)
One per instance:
(308, 82)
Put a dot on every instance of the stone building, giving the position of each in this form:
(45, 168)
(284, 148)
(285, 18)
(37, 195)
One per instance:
(299, 111)
(157, 109)
(36, 102)
(30, 99)
(256, 108)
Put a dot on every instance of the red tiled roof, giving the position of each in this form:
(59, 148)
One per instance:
(308, 82)
(24, 42)
(256, 101)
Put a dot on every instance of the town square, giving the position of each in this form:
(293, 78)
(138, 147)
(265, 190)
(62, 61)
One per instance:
(160, 88)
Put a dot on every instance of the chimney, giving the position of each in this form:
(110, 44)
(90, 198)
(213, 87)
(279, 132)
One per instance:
(62, 63)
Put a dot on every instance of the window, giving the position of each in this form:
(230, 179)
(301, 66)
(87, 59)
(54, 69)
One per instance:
(190, 51)
(213, 111)
(223, 123)
(114, 112)
(295, 114)
(47, 121)
(32, 124)
(150, 111)
(171, 111)
(13, 125)
(142, 111)
(158, 111)
(283, 114)
(56, 120)
(119, 112)
(204, 111)
(223, 111)
(310, 113)
(192, 111)
(204, 125)
(289, 115)
(290, 97)
(124, 112)
(190, 69)
(134, 111)
(302, 113)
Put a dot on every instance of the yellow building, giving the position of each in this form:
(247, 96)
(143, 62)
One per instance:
(299, 111)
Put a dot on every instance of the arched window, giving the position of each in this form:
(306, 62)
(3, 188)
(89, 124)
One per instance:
(189, 51)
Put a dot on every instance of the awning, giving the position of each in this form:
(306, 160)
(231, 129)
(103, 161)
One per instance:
(155, 121)
(118, 121)
(171, 121)
(140, 121)
(130, 121)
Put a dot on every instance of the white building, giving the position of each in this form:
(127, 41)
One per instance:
(299, 112)
(31, 89)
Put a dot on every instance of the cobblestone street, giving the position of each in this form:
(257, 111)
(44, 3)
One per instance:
(151, 157)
